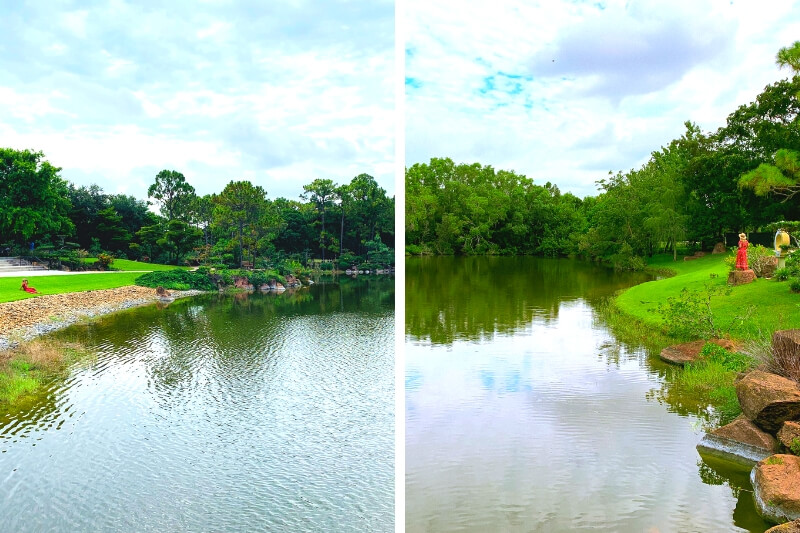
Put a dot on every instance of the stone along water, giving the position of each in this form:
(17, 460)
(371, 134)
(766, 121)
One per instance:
(217, 413)
(524, 413)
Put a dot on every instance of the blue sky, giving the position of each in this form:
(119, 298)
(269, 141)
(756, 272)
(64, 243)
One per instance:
(279, 93)
(567, 91)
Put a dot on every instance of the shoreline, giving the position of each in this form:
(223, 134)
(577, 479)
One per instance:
(24, 320)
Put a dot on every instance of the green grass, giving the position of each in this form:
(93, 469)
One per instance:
(127, 264)
(10, 287)
(775, 306)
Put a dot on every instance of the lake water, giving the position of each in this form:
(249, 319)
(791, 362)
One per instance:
(217, 413)
(525, 413)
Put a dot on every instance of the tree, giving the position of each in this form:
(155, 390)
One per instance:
(172, 191)
(239, 208)
(33, 198)
(111, 231)
(321, 192)
(789, 56)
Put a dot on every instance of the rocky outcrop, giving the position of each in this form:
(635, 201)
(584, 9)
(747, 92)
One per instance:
(768, 400)
(789, 434)
(741, 277)
(689, 352)
(740, 441)
(776, 489)
(788, 527)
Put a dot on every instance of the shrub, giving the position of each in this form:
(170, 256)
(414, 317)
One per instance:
(104, 260)
(177, 279)
(327, 266)
(794, 286)
(782, 274)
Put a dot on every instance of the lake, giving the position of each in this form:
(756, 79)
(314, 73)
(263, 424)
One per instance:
(246, 412)
(524, 412)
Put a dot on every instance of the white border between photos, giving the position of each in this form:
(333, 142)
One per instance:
(400, 270)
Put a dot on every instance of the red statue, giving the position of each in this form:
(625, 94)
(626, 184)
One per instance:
(28, 289)
(741, 254)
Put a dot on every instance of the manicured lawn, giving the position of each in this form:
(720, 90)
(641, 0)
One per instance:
(10, 287)
(127, 264)
(774, 305)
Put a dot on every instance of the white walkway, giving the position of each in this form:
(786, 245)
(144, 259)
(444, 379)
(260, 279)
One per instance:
(22, 274)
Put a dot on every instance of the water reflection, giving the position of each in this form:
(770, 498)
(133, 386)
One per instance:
(525, 413)
(218, 413)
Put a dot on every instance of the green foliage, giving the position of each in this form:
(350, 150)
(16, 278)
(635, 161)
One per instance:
(177, 279)
(174, 193)
(774, 460)
(104, 260)
(782, 274)
(33, 198)
(690, 314)
(794, 286)
(794, 446)
(326, 267)
(733, 361)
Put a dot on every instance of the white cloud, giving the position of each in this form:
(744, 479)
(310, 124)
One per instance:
(566, 91)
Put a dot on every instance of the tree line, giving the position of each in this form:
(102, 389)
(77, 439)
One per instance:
(351, 223)
(699, 186)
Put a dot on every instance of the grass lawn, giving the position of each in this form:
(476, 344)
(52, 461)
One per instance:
(10, 287)
(775, 306)
(127, 264)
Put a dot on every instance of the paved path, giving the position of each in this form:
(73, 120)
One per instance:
(22, 274)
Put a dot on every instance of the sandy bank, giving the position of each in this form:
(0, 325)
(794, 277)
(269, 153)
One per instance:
(25, 319)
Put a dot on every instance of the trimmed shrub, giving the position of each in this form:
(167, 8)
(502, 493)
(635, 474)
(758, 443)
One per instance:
(177, 279)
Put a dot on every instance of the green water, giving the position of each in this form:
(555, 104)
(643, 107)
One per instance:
(525, 413)
(253, 412)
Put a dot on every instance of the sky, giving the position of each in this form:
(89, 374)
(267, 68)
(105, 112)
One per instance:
(278, 93)
(566, 91)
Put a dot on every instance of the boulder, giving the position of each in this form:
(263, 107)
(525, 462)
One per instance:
(689, 352)
(741, 277)
(719, 248)
(740, 441)
(788, 433)
(788, 527)
(680, 354)
(776, 487)
(768, 267)
(768, 400)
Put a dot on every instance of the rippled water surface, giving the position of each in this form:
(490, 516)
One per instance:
(217, 413)
(525, 413)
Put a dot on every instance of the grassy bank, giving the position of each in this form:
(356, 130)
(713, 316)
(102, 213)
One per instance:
(747, 313)
(10, 287)
(24, 368)
(768, 304)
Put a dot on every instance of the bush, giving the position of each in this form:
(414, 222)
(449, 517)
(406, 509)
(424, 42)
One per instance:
(777, 360)
(326, 267)
(794, 286)
(782, 274)
(177, 279)
(104, 260)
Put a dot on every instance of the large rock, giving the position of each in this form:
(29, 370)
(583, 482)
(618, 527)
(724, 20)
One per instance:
(776, 487)
(768, 400)
(786, 350)
(741, 277)
(788, 527)
(689, 352)
(719, 248)
(788, 433)
(740, 441)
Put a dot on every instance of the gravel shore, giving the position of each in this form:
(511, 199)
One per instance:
(25, 319)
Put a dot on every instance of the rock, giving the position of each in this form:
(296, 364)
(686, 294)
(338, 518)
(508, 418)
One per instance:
(776, 487)
(279, 287)
(741, 277)
(719, 248)
(680, 354)
(768, 399)
(161, 292)
(689, 352)
(241, 282)
(788, 527)
(788, 433)
(740, 441)
(768, 267)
